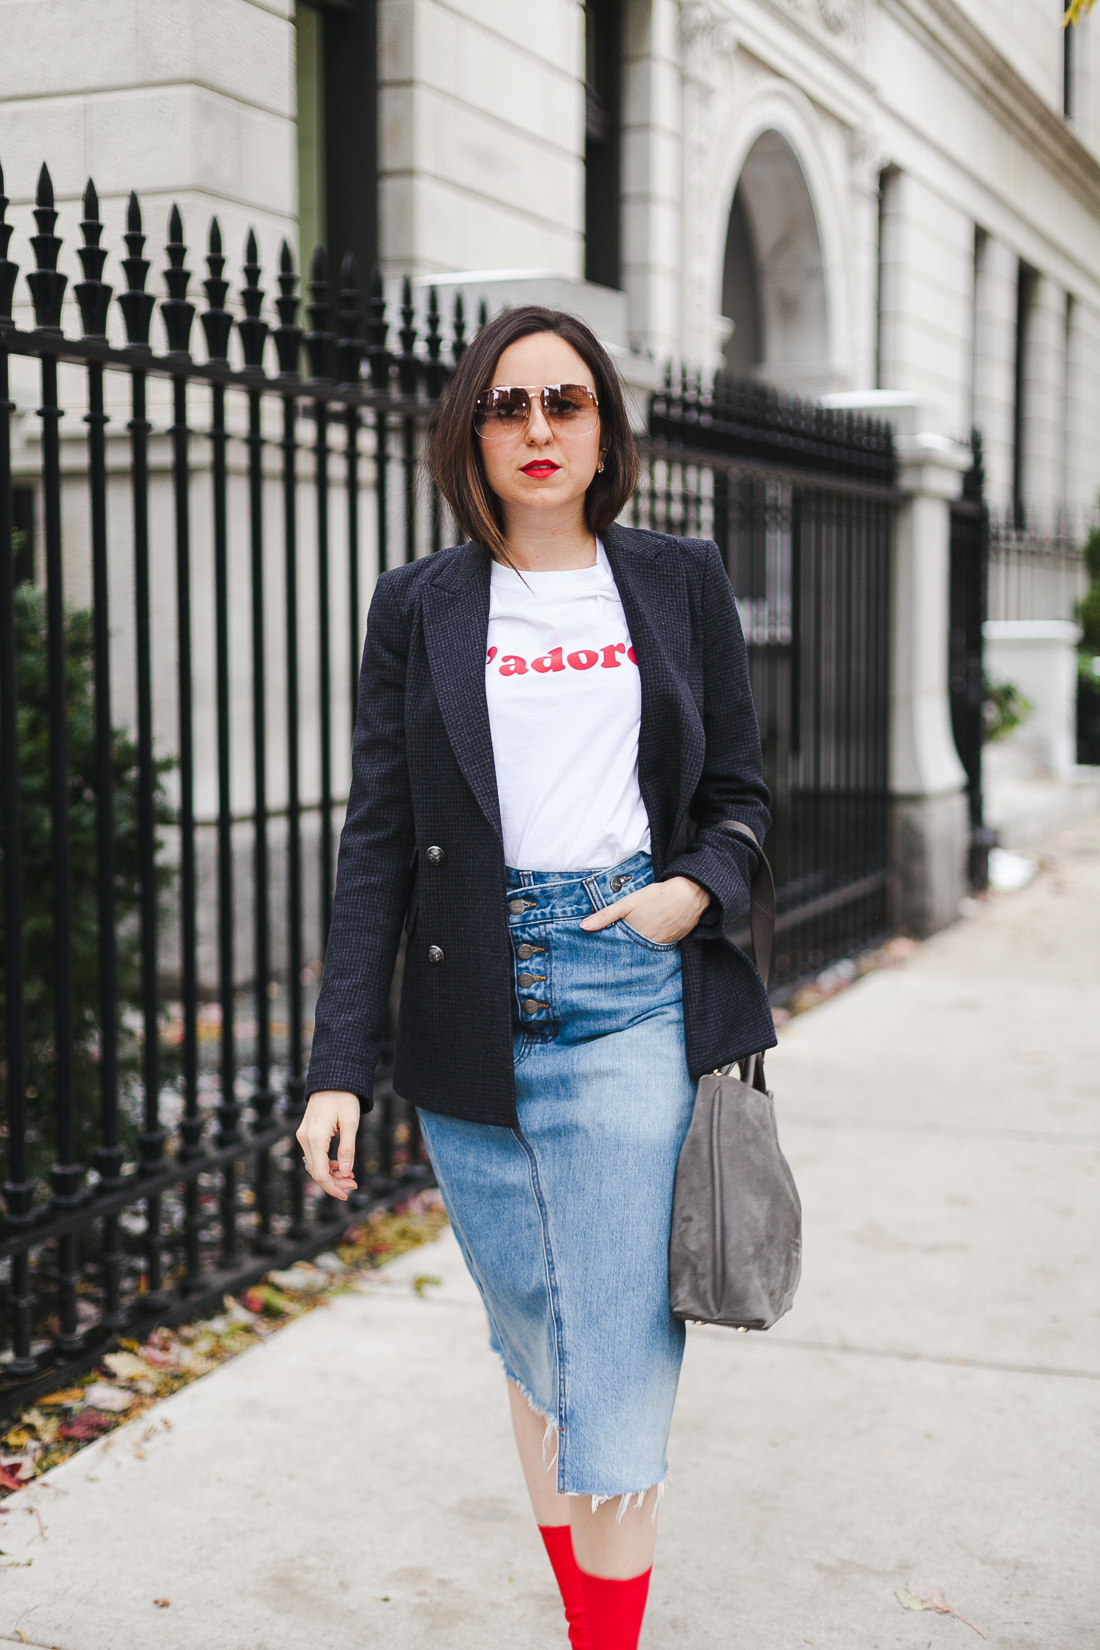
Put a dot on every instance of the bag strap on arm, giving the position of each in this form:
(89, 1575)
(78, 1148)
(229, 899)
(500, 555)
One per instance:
(761, 901)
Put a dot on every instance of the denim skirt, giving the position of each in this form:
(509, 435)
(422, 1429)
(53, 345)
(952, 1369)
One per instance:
(564, 1221)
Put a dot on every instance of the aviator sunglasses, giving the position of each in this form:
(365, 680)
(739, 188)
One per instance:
(568, 409)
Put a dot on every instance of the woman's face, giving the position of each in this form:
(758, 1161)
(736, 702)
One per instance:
(538, 467)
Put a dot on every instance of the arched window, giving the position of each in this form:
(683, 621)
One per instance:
(773, 284)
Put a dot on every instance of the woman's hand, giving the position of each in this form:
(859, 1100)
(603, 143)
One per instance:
(662, 912)
(329, 1112)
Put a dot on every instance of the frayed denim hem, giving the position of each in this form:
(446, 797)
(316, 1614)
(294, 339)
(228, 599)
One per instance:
(551, 1433)
(625, 1497)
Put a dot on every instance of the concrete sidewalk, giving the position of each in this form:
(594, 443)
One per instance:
(927, 1412)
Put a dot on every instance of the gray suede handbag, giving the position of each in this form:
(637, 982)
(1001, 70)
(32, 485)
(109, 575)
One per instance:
(735, 1249)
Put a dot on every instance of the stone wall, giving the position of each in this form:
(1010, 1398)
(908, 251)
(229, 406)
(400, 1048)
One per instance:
(482, 135)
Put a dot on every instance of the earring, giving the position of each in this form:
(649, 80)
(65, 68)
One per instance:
(599, 469)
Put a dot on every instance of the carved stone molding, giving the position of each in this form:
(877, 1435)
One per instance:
(706, 35)
(708, 44)
(842, 16)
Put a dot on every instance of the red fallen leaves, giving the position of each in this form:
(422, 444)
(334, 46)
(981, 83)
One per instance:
(10, 1480)
(89, 1424)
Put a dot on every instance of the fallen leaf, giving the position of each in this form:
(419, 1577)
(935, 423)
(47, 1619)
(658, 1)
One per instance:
(88, 1424)
(124, 1366)
(60, 1400)
(9, 1480)
(918, 1597)
(421, 1283)
(113, 1399)
(161, 1603)
(277, 1303)
(303, 1280)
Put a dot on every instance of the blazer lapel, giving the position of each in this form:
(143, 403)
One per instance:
(456, 623)
(653, 590)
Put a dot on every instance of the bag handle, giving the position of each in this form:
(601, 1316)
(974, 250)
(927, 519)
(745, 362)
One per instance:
(761, 900)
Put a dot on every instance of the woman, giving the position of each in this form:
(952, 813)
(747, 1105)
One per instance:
(554, 720)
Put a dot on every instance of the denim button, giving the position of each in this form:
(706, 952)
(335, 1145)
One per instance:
(531, 1007)
(617, 883)
(518, 906)
(435, 856)
(435, 955)
(526, 980)
(523, 952)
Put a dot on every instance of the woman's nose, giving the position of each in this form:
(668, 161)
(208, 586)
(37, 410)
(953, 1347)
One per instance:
(538, 430)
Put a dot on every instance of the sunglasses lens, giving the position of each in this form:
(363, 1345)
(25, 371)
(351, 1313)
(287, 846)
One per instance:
(499, 412)
(570, 407)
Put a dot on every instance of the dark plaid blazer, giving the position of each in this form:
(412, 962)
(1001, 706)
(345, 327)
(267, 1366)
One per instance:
(423, 776)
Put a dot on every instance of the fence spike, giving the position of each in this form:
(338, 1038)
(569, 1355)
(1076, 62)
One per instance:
(8, 271)
(46, 283)
(253, 331)
(178, 314)
(136, 304)
(320, 338)
(408, 368)
(378, 356)
(482, 314)
(459, 338)
(434, 345)
(217, 323)
(288, 335)
(349, 348)
(92, 295)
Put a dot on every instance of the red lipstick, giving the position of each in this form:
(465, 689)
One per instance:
(540, 467)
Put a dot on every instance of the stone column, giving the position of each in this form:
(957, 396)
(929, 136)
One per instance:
(1083, 410)
(1043, 398)
(929, 822)
(996, 271)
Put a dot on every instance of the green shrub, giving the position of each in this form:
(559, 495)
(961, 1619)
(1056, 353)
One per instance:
(32, 693)
(1087, 613)
(1003, 708)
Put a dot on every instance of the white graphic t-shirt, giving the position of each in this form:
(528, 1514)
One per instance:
(565, 704)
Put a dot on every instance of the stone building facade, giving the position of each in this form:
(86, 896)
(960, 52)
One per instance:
(837, 195)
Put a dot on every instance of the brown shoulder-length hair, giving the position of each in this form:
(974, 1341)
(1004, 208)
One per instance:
(455, 451)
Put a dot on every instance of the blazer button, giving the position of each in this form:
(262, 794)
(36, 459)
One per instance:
(435, 856)
(435, 955)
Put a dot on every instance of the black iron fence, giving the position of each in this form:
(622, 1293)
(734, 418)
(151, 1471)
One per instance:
(968, 609)
(153, 1052)
(800, 499)
(1036, 570)
(192, 546)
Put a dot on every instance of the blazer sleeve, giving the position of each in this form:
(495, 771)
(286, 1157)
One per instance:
(375, 867)
(731, 785)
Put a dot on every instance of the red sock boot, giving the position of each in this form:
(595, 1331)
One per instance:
(615, 1610)
(558, 1541)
